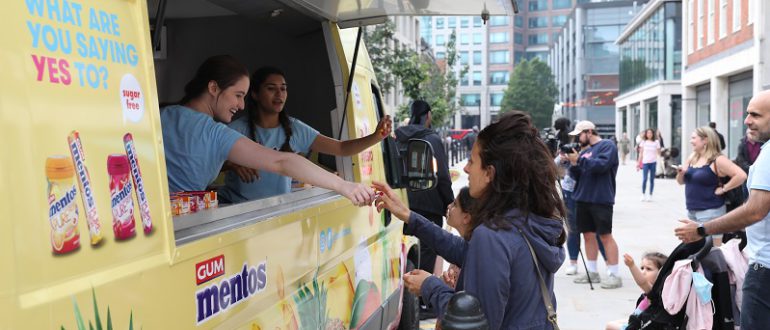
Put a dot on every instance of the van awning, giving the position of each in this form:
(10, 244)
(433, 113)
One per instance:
(347, 13)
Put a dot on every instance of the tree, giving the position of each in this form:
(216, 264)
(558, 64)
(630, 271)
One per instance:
(531, 89)
(420, 77)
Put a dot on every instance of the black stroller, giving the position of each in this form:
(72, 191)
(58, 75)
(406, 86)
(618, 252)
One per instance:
(655, 317)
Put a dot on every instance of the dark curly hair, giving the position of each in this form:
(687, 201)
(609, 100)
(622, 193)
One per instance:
(525, 174)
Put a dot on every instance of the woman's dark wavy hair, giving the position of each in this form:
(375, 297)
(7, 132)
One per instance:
(252, 108)
(225, 70)
(525, 174)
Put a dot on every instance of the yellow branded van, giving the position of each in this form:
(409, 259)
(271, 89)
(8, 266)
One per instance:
(87, 235)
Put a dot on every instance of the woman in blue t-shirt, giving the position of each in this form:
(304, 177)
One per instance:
(268, 124)
(197, 143)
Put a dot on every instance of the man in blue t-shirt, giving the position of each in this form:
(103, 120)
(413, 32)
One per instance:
(754, 215)
(594, 171)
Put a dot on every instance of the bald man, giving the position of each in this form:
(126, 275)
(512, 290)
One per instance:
(754, 216)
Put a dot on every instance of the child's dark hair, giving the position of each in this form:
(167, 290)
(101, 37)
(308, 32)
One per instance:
(252, 109)
(225, 70)
(657, 258)
(465, 199)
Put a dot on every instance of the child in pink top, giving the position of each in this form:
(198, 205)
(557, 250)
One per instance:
(644, 278)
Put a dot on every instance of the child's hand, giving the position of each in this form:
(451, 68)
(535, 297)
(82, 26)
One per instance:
(628, 260)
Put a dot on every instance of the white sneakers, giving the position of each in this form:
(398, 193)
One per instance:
(571, 269)
(646, 197)
(612, 282)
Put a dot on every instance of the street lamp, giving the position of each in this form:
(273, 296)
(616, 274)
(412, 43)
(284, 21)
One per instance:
(478, 121)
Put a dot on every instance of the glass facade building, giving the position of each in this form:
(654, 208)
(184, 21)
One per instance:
(653, 52)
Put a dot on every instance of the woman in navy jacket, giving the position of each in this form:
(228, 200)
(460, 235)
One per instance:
(513, 179)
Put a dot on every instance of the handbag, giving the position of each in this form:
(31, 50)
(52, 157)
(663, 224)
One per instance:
(543, 289)
(733, 197)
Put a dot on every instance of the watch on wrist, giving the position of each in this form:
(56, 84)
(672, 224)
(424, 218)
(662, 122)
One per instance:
(701, 230)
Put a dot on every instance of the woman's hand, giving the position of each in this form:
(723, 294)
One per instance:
(359, 194)
(719, 191)
(246, 174)
(387, 199)
(384, 127)
(413, 280)
(450, 276)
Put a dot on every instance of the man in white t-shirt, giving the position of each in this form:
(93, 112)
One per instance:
(754, 215)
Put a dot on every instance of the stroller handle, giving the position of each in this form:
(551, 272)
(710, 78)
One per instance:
(697, 257)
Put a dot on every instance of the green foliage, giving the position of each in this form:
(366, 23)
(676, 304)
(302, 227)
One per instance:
(419, 75)
(97, 317)
(311, 305)
(531, 89)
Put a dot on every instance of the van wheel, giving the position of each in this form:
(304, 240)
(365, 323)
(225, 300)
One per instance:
(410, 309)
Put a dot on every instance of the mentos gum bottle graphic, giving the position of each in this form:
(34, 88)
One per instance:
(120, 192)
(62, 208)
(136, 173)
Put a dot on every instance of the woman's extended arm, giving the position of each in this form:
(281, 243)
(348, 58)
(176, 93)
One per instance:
(327, 145)
(251, 154)
(725, 167)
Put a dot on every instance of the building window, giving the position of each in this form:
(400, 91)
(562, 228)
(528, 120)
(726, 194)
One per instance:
(518, 56)
(737, 15)
(558, 20)
(498, 78)
(538, 39)
(452, 22)
(476, 21)
(440, 42)
(495, 99)
(722, 18)
(498, 37)
(711, 22)
(477, 38)
(464, 80)
(470, 99)
(538, 5)
(464, 38)
(440, 55)
(477, 57)
(440, 23)
(476, 78)
(499, 57)
(691, 30)
(538, 22)
(518, 21)
(562, 4)
(463, 58)
(464, 22)
(701, 3)
(518, 38)
(498, 21)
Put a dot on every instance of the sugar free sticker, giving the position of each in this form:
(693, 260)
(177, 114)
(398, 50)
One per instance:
(131, 98)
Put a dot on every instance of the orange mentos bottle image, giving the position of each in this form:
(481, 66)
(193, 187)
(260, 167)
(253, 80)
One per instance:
(62, 208)
(120, 192)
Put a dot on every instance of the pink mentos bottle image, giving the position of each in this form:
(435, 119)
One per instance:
(120, 192)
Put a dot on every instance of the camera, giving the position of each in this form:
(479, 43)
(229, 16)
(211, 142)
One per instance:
(567, 148)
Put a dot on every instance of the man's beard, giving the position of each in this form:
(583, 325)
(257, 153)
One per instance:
(584, 144)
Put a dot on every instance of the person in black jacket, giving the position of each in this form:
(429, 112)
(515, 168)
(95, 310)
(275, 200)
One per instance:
(722, 144)
(432, 204)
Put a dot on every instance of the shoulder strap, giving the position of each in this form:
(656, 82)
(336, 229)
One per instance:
(543, 289)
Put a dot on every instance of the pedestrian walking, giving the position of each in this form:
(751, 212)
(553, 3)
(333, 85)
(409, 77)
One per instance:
(624, 145)
(754, 216)
(701, 172)
(649, 149)
(594, 171)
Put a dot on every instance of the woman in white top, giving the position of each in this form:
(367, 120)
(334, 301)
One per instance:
(649, 149)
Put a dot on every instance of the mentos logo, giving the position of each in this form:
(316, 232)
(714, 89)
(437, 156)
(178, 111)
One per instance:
(123, 194)
(229, 292)
(67, 199)
(209, 269)
(82, 174)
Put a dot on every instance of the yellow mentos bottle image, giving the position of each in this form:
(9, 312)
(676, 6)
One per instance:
(62, 206)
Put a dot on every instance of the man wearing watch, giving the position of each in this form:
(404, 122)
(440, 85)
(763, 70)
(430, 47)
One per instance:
(754, 216)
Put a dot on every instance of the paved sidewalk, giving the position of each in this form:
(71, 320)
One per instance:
(638, 227)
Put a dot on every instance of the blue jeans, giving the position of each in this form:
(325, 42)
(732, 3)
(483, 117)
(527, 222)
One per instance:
(755, 308)
(573, 238)
(648, 169)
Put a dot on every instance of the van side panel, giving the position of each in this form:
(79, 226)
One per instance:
(82, 67)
